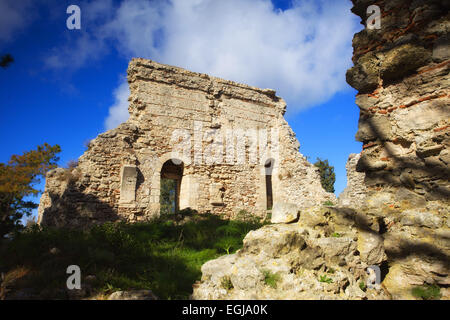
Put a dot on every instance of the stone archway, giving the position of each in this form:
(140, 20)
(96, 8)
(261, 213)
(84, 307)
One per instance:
(267, 184)
(183, 193)
(171, 176)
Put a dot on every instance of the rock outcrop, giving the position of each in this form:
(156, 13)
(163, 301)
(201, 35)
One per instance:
(324, 255)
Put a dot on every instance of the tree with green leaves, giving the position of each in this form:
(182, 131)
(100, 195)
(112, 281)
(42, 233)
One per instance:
(327, 175)
(18, 179)
(6, 60)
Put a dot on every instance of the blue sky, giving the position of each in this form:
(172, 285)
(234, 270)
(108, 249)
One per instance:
(67, 86)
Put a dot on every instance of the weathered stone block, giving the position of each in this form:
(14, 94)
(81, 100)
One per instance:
(422, 219)
(401, 61)
(374, 128)
(284, 212)
(371, 247)
(364, 76)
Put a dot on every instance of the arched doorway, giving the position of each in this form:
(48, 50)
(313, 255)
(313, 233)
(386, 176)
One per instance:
(170, 183)
(268, 167)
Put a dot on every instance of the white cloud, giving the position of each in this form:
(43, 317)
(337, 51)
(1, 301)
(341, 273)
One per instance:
(118, 112)
(77, 54)
(14, 17)
(302, 52)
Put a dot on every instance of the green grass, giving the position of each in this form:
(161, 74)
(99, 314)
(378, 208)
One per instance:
(271, 279)
(159, 255)
(328, 203)
(336, 235)
(427, 292)
(325, 279)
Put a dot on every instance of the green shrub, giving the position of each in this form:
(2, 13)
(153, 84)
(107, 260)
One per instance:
(362, 286)
(427, 292)
(187, 212)
(336, 235)
(271, 279)
(328, 203)
(325, 279)
(227, 244)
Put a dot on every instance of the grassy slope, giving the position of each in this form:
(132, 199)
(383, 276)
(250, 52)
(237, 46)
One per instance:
(159, 255)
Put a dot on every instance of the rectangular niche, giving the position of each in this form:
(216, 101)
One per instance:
(216, 193)
(128, 184)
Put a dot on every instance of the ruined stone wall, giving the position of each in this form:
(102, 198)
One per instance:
(354, 193)
(221, 131)
(401, 72)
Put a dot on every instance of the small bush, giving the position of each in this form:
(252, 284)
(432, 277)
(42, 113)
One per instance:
(427, 292)
(328, 203)
(10, 278)
(336, 235)
(362, 286)
(228, 244)
(244, 215)
(268, 217)
(187, 212)
(325, 279)
(271, 279)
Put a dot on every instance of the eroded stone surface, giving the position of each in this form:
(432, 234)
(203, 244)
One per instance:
(404, 126)
(284, 212)
(355, 192)
(292, 261)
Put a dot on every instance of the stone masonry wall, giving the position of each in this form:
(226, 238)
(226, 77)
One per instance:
(221, 131)
(401, 72)
(355, 192)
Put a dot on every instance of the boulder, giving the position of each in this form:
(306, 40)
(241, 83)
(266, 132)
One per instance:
(371, 247)
(421, 219)
(374, 128)
(335, 249)
(287, 261)
(312, 216)
(273, 240)
(402, 60)
(364, 75)
(415, 271)
(284, 212)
